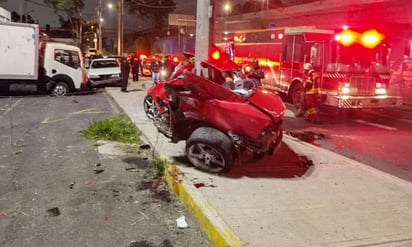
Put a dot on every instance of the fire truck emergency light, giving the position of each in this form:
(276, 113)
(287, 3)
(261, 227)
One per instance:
(371, 38)
(346, 37)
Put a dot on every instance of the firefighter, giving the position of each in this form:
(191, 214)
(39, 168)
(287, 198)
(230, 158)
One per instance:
(311, 98)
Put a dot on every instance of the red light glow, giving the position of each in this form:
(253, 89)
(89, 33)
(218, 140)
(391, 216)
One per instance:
(216, 55)
(346, 37)
(371, 38)
(280, 35)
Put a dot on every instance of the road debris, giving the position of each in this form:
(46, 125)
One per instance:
(199, 185)
(307, 136)
(145, 146)
(98, 168)
(304, 161)
(72, 185)
(202, 184)
(181, 222)
(53, 212)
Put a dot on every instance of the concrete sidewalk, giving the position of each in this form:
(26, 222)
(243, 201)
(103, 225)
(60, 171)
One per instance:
(336, 202)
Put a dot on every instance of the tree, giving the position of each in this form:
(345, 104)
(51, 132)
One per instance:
(73, 9)
(154, 11)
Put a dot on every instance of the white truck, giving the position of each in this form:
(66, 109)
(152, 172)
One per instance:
(31, 64)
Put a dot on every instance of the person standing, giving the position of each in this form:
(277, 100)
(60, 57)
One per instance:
(135, 68)
(125, 71)
(256, 73)
(168, 67)
(155, 67)
(311, 98)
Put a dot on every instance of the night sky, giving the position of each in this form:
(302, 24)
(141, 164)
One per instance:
(45, 15)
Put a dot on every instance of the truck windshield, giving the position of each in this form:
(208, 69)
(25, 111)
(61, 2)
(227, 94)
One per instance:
(357, 58)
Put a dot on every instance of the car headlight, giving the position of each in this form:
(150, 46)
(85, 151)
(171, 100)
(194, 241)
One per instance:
(380, 89)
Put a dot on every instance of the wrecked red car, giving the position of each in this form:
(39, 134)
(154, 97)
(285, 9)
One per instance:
(217, 122)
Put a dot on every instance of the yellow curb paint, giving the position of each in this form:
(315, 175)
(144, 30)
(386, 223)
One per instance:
(217, 231)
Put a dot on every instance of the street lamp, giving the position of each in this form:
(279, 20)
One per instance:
(227, 8)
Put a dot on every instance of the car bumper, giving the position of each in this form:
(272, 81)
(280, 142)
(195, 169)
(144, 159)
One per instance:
(364, 102)
(101, 82)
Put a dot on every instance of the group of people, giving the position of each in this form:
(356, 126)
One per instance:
(310, 98)
(156, 66)
(309, 102)
(126, 66)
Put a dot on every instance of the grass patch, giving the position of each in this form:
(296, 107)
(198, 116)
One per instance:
(158, 168)
(118, 128)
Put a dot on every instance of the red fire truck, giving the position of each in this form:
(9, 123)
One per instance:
(354, 64)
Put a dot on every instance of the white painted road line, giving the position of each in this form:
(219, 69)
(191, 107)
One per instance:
(375, 125)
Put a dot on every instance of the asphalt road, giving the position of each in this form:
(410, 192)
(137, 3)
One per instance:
(51, 196)
(378, 138)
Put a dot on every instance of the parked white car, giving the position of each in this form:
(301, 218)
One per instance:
(104, 72)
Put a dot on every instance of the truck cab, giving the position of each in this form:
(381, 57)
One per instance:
(38, 64)
(64, 65)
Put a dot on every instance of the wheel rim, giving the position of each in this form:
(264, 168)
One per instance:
(60, 90)
(149, 107)
(164, 121)
(206, 157)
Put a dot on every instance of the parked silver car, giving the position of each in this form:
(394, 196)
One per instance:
(104, 72)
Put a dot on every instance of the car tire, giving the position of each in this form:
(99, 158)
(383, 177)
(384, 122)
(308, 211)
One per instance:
(60, 89)
(209, 149)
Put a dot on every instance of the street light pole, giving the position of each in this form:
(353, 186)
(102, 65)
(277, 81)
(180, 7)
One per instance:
(120, 27)
(100, 27)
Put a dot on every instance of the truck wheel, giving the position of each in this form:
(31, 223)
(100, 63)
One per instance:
(210, 150)
(60, 89)
(297, 94)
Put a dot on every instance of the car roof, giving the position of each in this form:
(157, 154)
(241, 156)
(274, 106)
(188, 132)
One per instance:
(105, 59)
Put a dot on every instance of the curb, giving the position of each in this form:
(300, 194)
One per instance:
(208, 219)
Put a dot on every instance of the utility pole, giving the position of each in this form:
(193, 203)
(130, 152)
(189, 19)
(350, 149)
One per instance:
(100, 27)
(120, 4)
(203, 12)
(213, 20)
